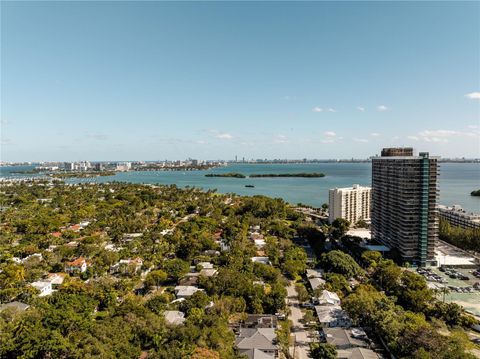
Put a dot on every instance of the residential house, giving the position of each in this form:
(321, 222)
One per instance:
(15, 306)
(257, 343)
(185, 291)
(224, 246)
(316, 282)
(128, 237)
(314, 273)
(260, 321)
(208, 272)
(356, 353)
(264, 260)
(346, 338)
(37, 256)
(127, 266)
(78, 265)
(190, 279)
(56, 279)
(259, 243)
(174, 317)
(332, 316)
(205, 265)
(44, 287)
(328, 298)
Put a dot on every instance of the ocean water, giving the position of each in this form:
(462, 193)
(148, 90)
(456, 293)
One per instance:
(456, 180)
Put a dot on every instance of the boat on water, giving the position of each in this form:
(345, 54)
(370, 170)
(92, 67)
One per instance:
(249, 186)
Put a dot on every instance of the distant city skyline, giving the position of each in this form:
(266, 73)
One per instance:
(211, 80)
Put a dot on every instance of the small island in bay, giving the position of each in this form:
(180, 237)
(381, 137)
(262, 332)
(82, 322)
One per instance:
(306, 175)
(82, 174)
(475, 193)
(230, 174)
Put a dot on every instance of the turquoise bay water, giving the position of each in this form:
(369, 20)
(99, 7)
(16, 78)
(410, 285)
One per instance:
(456, 182)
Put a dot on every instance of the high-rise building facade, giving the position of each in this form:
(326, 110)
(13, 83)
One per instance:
(351, 203)
(404, 203)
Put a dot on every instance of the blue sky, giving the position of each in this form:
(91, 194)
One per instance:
(156, 80)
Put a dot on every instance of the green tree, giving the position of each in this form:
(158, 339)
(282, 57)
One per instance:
(341, 263)
(323, 351)
(340, 227)
(156, 278)
(176, 268)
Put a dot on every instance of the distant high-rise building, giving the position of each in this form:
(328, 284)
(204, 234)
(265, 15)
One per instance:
(404, 203)
(70, 166)
(351, 203)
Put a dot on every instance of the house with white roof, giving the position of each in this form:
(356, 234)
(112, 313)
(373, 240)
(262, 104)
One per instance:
(316, 282)
(205, 265)
(208, 272)
(257, 343)
(314, 273)
(329, 298)
(332, 316)
(264, 260)
(174, 317)
(259, 243)
(185, 291)
(128, 237)
(15, 306)
(44, 287)
(124, 265)
(56, 278)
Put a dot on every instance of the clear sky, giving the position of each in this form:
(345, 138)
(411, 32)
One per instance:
(157, 80)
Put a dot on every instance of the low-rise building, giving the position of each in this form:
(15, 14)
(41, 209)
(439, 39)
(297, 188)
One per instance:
(208, 272)
(128, 237)
(332, 316)
(263, 260)
(314, 273)
(15, 306)
(174, 317)
(256, 343)
(44, 287)
(127, 266)
(316, 282)
(185, 291)
(205, 265)
(328, 298)
(56, 279)
(260, 321)
(457, 216)
(259, 243)
(356, 353)
(78, 265)
(346, 338)
(189, 279)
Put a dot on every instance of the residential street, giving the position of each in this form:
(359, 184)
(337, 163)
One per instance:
(300, 349)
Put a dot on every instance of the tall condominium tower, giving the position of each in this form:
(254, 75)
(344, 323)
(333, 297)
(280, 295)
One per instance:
(350, 203)
(404, 203)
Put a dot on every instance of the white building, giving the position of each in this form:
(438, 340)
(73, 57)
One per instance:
(263, 260)
(44, 287)
(184, 291)
(329, 298)
(350, 203)
(174, 317)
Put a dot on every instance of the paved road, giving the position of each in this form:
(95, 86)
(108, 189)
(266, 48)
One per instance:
(300, 350)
